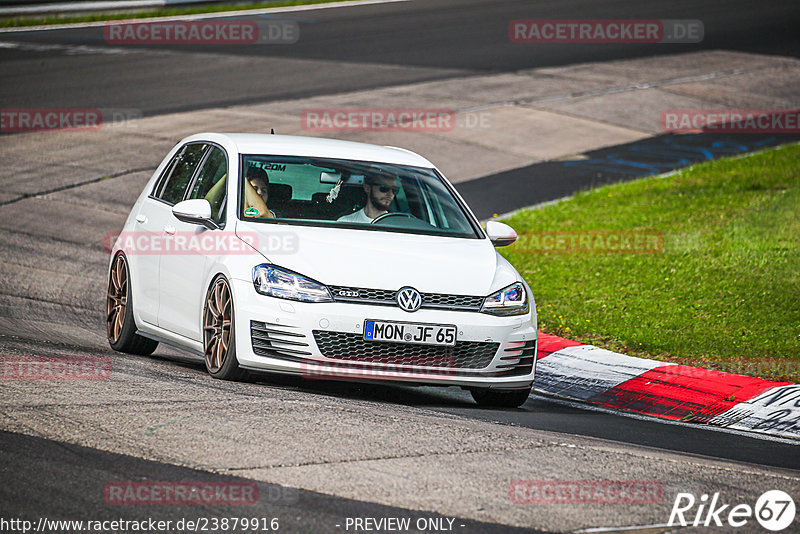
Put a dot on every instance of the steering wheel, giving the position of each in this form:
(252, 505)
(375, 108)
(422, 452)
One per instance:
(392, 214)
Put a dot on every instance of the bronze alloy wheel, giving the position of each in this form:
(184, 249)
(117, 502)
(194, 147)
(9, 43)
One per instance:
(121, 327)
(217, 322)
(117, 299)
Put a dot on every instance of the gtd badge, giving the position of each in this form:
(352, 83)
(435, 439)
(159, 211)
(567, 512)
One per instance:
(409, 299)
(344, 293)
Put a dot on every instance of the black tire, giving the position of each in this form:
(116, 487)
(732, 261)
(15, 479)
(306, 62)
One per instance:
(219, 341)
(120, 325)
(500, 398)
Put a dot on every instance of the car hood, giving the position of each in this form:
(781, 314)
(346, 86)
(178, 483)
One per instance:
(382, 260)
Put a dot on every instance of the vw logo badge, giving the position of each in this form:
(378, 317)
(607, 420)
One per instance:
(409, 299)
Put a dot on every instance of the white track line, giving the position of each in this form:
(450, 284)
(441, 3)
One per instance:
(68, 49)
(202, 16)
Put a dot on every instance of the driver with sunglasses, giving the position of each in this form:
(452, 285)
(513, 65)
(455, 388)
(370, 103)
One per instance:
(381, 190)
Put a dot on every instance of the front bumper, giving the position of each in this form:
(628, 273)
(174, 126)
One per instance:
(325, 341)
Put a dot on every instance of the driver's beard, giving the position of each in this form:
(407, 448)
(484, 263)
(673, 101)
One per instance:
(380, 203)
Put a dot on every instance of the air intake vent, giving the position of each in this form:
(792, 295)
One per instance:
(518, 356)
(278, 341)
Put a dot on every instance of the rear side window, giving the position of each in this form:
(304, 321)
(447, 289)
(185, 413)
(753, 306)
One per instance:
(210, 182)
(172, 186)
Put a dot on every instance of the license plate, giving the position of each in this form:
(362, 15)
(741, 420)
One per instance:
(423, 334)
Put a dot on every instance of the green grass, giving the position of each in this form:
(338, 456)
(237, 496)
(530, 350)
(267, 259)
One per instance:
(723, 293)
(35, 20)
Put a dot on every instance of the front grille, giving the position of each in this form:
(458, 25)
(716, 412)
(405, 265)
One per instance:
(386, 297)
(353, 348)
(372, 295)
(451, 301)
(278, 341)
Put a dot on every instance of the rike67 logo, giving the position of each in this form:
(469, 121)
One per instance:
(774, 510)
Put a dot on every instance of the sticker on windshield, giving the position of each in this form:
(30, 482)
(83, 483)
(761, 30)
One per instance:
(251, 212)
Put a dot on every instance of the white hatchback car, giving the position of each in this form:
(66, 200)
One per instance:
(324, 258)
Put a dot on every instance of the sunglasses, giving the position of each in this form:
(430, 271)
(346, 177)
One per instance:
(386, 188)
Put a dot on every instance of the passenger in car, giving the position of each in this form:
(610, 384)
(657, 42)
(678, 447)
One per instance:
(216, 196)
(381, 190)
(256, 193)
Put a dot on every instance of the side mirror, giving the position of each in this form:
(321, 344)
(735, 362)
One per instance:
(500, 234)
(195, 211)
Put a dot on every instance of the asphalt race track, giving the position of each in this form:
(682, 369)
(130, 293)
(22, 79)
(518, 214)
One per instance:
(75, 471)
(321, 453)
(346, 49)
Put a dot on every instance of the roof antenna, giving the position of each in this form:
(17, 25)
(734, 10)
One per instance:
(272, 131)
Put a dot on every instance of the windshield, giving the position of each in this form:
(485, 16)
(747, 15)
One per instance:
(350, 194)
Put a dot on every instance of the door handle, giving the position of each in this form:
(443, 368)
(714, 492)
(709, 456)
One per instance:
(169, 229)
(141, 218)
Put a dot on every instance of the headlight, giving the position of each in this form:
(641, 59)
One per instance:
(512, 300)
(284, 284)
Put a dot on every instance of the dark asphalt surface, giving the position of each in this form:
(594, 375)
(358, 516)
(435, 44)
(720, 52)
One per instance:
(365, 47)
(539, 412)
(37, 471)
(543, 413)
(360, 48)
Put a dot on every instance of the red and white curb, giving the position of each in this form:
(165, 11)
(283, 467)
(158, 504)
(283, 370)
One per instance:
(586, 373)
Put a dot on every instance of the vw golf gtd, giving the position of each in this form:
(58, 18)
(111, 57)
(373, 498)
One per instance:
(324, 258)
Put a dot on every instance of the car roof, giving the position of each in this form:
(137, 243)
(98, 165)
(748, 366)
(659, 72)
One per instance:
(295, 145)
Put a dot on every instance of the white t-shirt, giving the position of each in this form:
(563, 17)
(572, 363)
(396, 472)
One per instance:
(356, 217)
